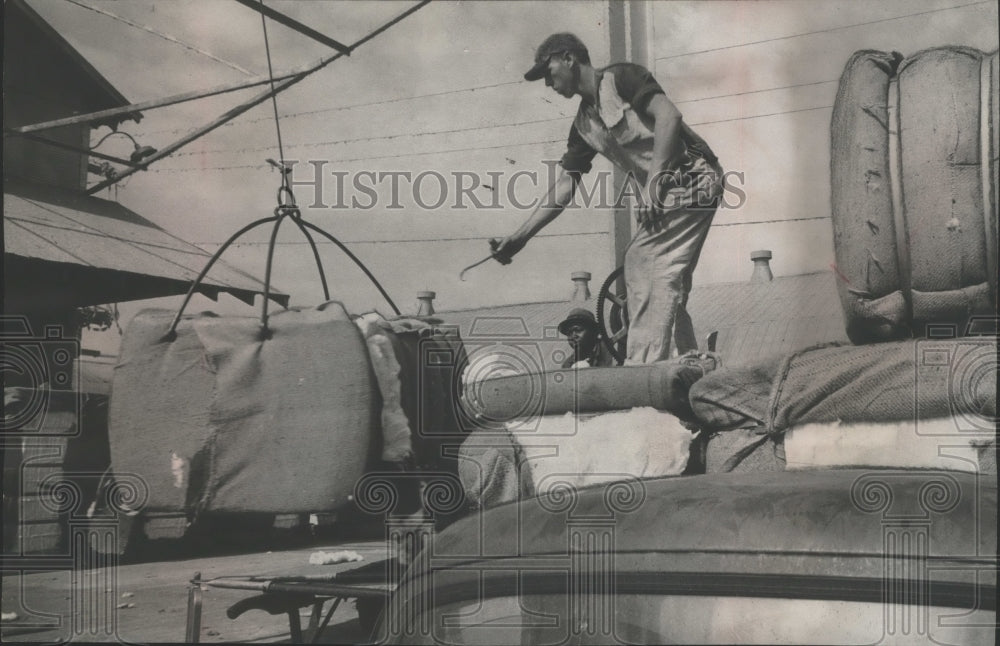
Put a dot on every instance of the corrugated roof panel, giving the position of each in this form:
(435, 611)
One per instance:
(784, 331)
(754, 320)
(113, 223)
(727, 337)
(22, 240)
(742, 346)
(525, 320)
(54, 225)
(92, 249)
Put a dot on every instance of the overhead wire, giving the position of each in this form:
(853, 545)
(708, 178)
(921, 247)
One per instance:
(474, 128)
(411, 240)
(476, 148)
(292, 115)
(344, 161)
(164, 36)
(823, 31)
(398, 99)
(475, 238)
(507, 83)
(760, 91)
(516, 82)
(761, 116)
(315, 144)
(471, 128)
(691, 53)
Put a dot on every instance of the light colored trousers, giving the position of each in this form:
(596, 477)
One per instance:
(659, 263)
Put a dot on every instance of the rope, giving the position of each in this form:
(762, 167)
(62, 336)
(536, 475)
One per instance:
(778, 387)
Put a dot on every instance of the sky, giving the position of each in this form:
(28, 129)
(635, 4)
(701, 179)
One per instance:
(443, 92)
(206, 191)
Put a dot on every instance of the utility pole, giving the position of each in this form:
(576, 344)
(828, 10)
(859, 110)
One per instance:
(630, 27)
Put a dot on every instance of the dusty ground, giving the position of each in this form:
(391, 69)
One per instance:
(60, 606)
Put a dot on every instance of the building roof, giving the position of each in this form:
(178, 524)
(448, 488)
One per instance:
(102, 94)
(754, 320)
(72, 249)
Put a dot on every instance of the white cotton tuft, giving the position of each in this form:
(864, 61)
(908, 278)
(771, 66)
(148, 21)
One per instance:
(585, 450)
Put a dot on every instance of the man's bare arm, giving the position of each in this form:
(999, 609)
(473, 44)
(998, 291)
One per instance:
(558, 196)
(668, 149)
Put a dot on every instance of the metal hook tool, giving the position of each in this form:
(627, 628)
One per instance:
(501, 258)
(461, 276)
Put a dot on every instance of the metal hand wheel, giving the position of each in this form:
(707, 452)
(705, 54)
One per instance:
(612, 315)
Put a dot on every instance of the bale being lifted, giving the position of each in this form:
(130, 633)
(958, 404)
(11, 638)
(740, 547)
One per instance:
(221, 419)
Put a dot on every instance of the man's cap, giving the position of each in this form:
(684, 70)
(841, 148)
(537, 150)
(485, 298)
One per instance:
(554, 44)
(578, 315)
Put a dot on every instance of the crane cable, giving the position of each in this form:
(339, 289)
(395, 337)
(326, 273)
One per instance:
(274, 101)
(287, 207)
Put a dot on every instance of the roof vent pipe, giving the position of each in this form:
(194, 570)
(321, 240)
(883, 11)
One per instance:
(761, 266)
(426, 300)
(581, 285)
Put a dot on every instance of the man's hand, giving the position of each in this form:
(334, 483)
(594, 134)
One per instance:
(559, 194)
(655, 204)
(645, 215)
(505, 248)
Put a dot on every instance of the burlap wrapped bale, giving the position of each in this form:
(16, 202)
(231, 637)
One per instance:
(918, 380)
(663, 385)
(914, 186)
(221, 419)
(431, 358)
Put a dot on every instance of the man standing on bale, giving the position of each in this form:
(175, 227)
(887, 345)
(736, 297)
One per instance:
(625, 115)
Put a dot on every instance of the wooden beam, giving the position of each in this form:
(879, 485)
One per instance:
(71, 147)
(209, 127)
(246, 105)
(198, 94)
(165, 101)
(413, 9)
(291, 23)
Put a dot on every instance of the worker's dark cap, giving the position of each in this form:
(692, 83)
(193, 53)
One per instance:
(578, 315)
(554, 44)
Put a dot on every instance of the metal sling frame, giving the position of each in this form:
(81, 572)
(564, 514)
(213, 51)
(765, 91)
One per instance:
(285, 209)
